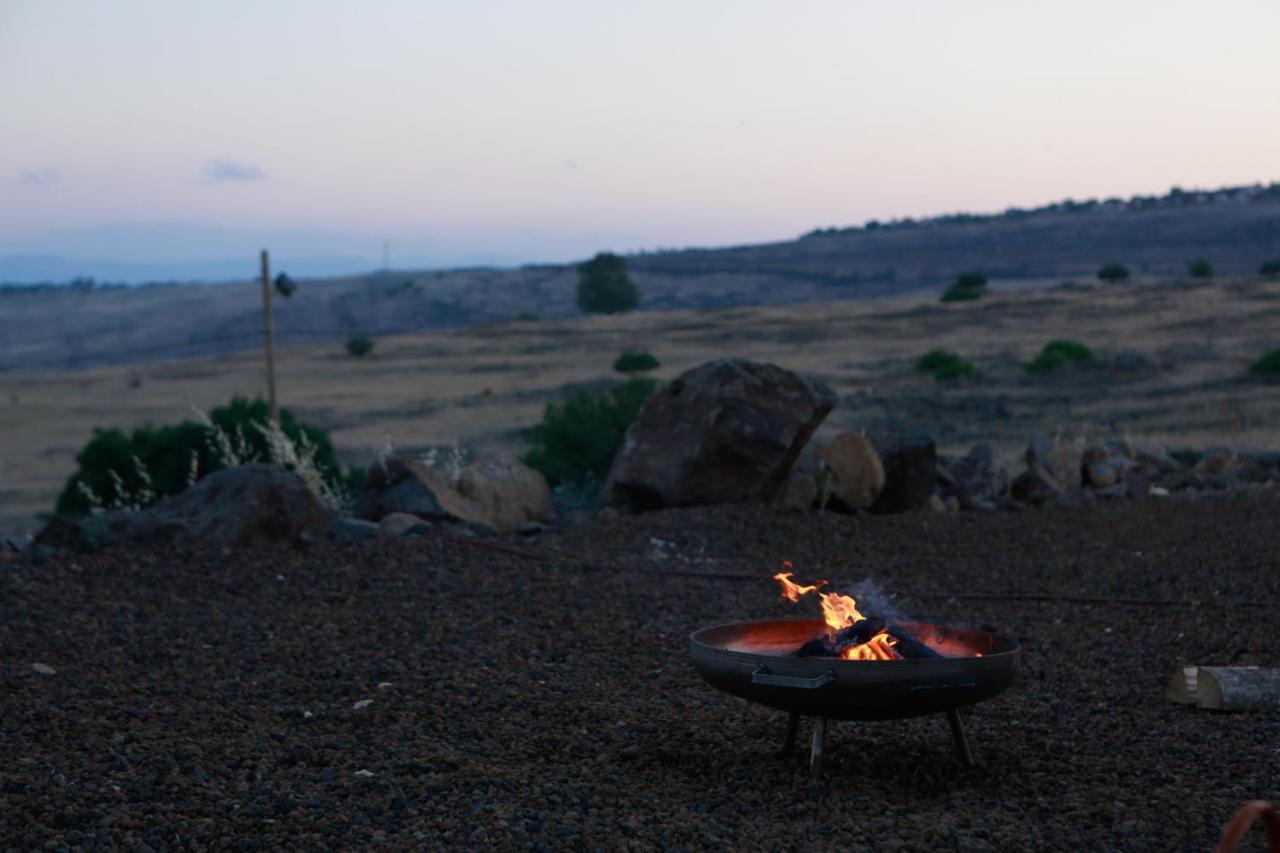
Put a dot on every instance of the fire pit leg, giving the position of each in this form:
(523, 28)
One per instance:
(793, 723)
(815, 754)
(962, 743)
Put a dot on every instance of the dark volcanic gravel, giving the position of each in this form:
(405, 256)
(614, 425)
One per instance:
(435, 694)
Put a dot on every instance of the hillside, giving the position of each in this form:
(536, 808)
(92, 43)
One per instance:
(1173, 371)
(58, 328)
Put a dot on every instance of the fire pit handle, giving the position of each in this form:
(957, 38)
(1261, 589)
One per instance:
(762, 676)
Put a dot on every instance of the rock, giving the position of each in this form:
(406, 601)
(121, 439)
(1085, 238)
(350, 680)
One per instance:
(531, 528)
(910, 471)
(348, 529)
(800, 491)
(1101, 475)
(1075, 496)
(240, 507)
(726, 431)
(1035, 486)
(405, 485)
(507, 491)
(857, 474)
(44, 669)
(1153, 462)
(952, 503)
(976, 476)
(361, 704)
(1217, 464)
(936, 504)
(397, 525)
(1058, 460)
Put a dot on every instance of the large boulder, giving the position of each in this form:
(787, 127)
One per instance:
(910, 462)
(726, 431)
(397, 484)
(507, 491)
(247, 506)
(857, 474)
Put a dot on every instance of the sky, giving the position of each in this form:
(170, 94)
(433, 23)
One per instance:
(162, 135)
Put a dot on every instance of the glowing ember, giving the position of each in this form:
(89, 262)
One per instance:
(839, 611)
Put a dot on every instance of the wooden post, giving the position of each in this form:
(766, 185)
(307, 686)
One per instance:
(269, 328)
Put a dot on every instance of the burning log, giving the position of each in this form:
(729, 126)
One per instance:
(905, 645)
(862, 631)
(909, 647)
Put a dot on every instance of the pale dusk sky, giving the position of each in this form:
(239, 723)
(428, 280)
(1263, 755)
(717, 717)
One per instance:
(530, 131)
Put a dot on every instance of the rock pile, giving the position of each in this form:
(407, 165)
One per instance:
(242, 507)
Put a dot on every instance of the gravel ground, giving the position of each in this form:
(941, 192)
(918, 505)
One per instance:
(438, 694)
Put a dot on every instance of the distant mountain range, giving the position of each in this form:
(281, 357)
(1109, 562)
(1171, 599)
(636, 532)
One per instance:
(1236, 229)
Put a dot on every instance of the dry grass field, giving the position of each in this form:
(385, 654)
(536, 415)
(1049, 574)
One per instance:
(1172, 371)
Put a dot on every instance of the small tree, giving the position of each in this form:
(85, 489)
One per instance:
(604, 286)
(1200, 268)
(637, 361)
(359, 345)
(1113, 272)
(967, 286)
(1270, 268)
(1058, 354)
(1268, 366)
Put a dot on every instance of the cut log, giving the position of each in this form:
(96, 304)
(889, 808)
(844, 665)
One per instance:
(1226, 688)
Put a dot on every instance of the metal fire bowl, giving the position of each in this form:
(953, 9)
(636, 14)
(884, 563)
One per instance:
(751, 660)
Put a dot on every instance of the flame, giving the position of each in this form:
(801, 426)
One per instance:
(793, 591)
(839, 611)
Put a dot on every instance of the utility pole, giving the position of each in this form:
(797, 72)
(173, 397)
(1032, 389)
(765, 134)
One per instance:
(269, 328)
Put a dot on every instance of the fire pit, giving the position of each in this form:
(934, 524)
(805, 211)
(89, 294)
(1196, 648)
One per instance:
(849, 667)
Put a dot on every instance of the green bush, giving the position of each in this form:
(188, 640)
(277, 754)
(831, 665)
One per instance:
(359, 345)
(637, 361)
(1113, 272)
(526, 317)
(116, 469)
(1270, 268)
(1268, 365)
(1200, 268)
(958, 369)
(576, 439)
(934, 359)
(604, 286)
(944, 365)
(967, 286)
(1058, 354)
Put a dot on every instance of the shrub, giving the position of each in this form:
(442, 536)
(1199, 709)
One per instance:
(637, 361)
(1199, 268)
(1113, 272)
(1270, 268)
(958, 369)
(526, 317)
(1268, 365)
(967, 286)
(604, 286)
(944, 365)
(1059, 354)
(577, 439)
(119, 470)
(934, 359)
(359, 345)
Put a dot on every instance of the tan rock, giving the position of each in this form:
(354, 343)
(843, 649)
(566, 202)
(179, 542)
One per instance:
(399, 524)
(507, 491)
(857, 474)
